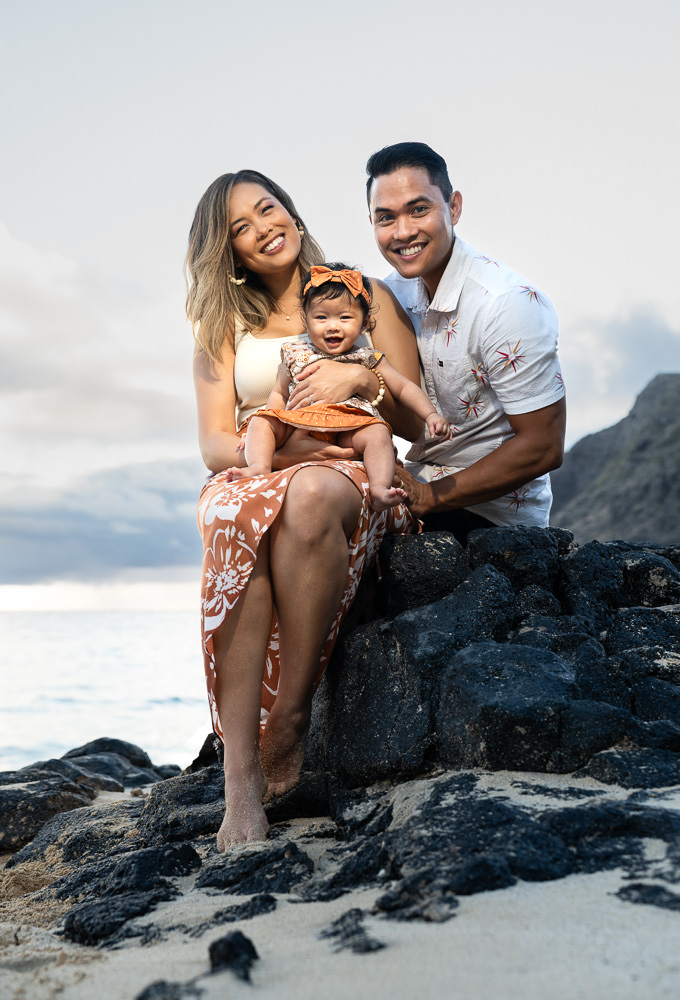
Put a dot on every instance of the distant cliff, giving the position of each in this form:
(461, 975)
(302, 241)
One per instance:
(624, 482)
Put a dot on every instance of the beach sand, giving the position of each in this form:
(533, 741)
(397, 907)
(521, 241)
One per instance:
(558, 940)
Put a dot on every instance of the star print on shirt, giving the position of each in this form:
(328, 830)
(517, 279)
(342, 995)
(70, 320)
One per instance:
(472, 406)
(512, 356)
(450, 330)
(518, 498)
(480, 373)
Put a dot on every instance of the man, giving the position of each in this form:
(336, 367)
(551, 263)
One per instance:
(488, 348)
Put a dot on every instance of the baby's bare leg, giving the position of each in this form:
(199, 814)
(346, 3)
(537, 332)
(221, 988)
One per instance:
(264, 436)
(374, 443)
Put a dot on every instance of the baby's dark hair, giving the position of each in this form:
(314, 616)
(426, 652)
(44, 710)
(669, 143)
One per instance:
(334, 289)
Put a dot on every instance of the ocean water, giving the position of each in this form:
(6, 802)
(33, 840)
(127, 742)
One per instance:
(67, 677)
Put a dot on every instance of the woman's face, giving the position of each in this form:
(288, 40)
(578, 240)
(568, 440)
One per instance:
(264, 237)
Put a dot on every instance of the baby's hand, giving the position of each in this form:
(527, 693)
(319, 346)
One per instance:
(438, 426)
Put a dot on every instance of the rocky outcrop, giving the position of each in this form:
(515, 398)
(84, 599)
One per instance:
(33, 794)
(624, 481)
(543, 655)
(514, 716)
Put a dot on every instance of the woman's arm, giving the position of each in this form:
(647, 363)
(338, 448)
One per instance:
(216, 402)
(393, 334)
(327, 381)
(278, 397)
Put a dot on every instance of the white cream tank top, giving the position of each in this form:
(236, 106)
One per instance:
(256, 365)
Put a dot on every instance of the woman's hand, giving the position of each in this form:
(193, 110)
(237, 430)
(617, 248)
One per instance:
(301, 447)
(331, 382)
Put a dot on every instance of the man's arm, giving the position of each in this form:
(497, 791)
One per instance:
(536, 448)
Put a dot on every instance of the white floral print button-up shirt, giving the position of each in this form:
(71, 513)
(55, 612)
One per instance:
(488, 347)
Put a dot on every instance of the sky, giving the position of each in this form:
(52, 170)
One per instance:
(559, 126)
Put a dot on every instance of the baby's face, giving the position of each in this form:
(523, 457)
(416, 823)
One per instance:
(334, 325)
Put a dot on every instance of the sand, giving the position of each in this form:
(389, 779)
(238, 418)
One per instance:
(559, 940)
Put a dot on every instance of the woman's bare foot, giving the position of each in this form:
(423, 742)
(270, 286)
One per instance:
(244, 818)
(282, 749)
(384, 497)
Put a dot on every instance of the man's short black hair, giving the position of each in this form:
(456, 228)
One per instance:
(409, 154)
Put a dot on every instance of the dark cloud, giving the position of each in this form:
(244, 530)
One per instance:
(608, 363)
(134, 516)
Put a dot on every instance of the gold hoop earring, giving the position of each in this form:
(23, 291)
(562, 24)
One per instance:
(237, 281)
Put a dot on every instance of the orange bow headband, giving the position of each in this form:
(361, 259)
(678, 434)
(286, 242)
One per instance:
(352, 280)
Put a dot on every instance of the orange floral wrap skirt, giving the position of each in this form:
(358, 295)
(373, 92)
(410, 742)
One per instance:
(232, 519)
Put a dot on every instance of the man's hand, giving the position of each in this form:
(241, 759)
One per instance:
(420, 499)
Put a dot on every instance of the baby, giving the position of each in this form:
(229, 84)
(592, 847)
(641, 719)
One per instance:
(336, 302)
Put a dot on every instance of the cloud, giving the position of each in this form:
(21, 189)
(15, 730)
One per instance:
(93, 371)
(608, 363)
(133, 516)
(100, 463)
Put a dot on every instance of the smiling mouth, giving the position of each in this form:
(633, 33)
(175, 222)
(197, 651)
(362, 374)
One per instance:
(410, 251)
(273, 244)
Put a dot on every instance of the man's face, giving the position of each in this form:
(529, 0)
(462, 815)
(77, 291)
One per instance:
(413, 224)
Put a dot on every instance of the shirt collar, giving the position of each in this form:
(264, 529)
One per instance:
(449, 289)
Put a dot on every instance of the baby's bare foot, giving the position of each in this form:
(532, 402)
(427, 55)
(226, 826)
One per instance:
(244, 818)
(283, 749)
(234, 473)
(384, 497)
(247, 472)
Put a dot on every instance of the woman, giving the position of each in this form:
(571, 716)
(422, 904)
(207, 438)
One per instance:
(283, 553)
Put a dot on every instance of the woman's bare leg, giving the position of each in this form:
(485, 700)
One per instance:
(240, 647)
(309, 561)
(374, 443)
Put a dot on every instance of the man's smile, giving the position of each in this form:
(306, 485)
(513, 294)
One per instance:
(410, 250)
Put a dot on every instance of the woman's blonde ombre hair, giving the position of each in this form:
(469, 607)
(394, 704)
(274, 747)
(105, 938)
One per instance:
(214, 303)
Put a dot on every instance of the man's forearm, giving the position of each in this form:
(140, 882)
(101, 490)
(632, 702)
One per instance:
(536, 448)
(500, 472)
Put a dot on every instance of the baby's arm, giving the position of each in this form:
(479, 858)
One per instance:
(411, 395)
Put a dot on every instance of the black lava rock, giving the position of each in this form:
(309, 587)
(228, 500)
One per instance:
(524, 555)
(234, 951)
(500, 707)
(419, 569)
(92, 923)
(26, 809)
(348, 933)
(271, 869)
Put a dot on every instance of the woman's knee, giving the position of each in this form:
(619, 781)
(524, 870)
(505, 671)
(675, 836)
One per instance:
(320, 500)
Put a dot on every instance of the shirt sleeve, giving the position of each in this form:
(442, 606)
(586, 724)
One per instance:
(519, 351)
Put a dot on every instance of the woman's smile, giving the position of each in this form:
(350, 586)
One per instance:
(274, 245)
